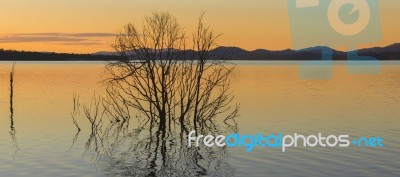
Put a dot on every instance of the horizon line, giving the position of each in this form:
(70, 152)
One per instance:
(100, 51)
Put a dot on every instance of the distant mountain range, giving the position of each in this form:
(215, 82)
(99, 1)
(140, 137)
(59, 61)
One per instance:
(391, 52)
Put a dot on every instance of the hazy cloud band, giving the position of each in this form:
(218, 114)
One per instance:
(60, 38)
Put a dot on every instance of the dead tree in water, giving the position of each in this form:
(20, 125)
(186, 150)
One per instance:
(173, 89)
(13, 132)
(76, 111)
(11, 95)
(166, 82)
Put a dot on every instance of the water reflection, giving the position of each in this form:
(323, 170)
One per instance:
(124, 142)
(272, 99)
(134, 132)
(13, 131)
(76, 112)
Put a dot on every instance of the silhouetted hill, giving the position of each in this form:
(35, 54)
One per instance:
(263, 54)
(391, 52)
(13, 55)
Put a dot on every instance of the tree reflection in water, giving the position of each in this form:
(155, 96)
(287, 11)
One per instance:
(13, 131)
(154, 97)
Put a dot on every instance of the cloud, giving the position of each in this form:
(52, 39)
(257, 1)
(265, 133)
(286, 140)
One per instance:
(81, 43)
(19, 39)
(84, 35)
(59, 38)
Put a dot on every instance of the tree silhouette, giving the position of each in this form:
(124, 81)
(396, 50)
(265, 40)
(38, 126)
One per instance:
(168, 91)
(166, 82)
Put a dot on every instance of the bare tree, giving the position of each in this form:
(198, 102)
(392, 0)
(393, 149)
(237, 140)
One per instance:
(171, 90)
(165, 81)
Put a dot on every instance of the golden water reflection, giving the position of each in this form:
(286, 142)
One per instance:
(272, 99)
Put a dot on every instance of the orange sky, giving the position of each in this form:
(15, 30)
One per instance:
(77, 24)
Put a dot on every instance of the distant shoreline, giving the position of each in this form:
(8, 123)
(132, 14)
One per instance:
(388, 53)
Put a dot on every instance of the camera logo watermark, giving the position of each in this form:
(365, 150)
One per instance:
(332, 24)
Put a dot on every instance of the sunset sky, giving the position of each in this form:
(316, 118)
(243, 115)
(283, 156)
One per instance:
(85, 26)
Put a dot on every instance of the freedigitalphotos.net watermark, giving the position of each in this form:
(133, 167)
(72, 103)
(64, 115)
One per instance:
(278, 140)
(332, 24)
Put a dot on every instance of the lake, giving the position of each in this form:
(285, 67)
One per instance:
(38, 136)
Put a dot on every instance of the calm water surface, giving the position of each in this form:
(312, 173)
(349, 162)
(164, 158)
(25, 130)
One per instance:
(39, 138)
